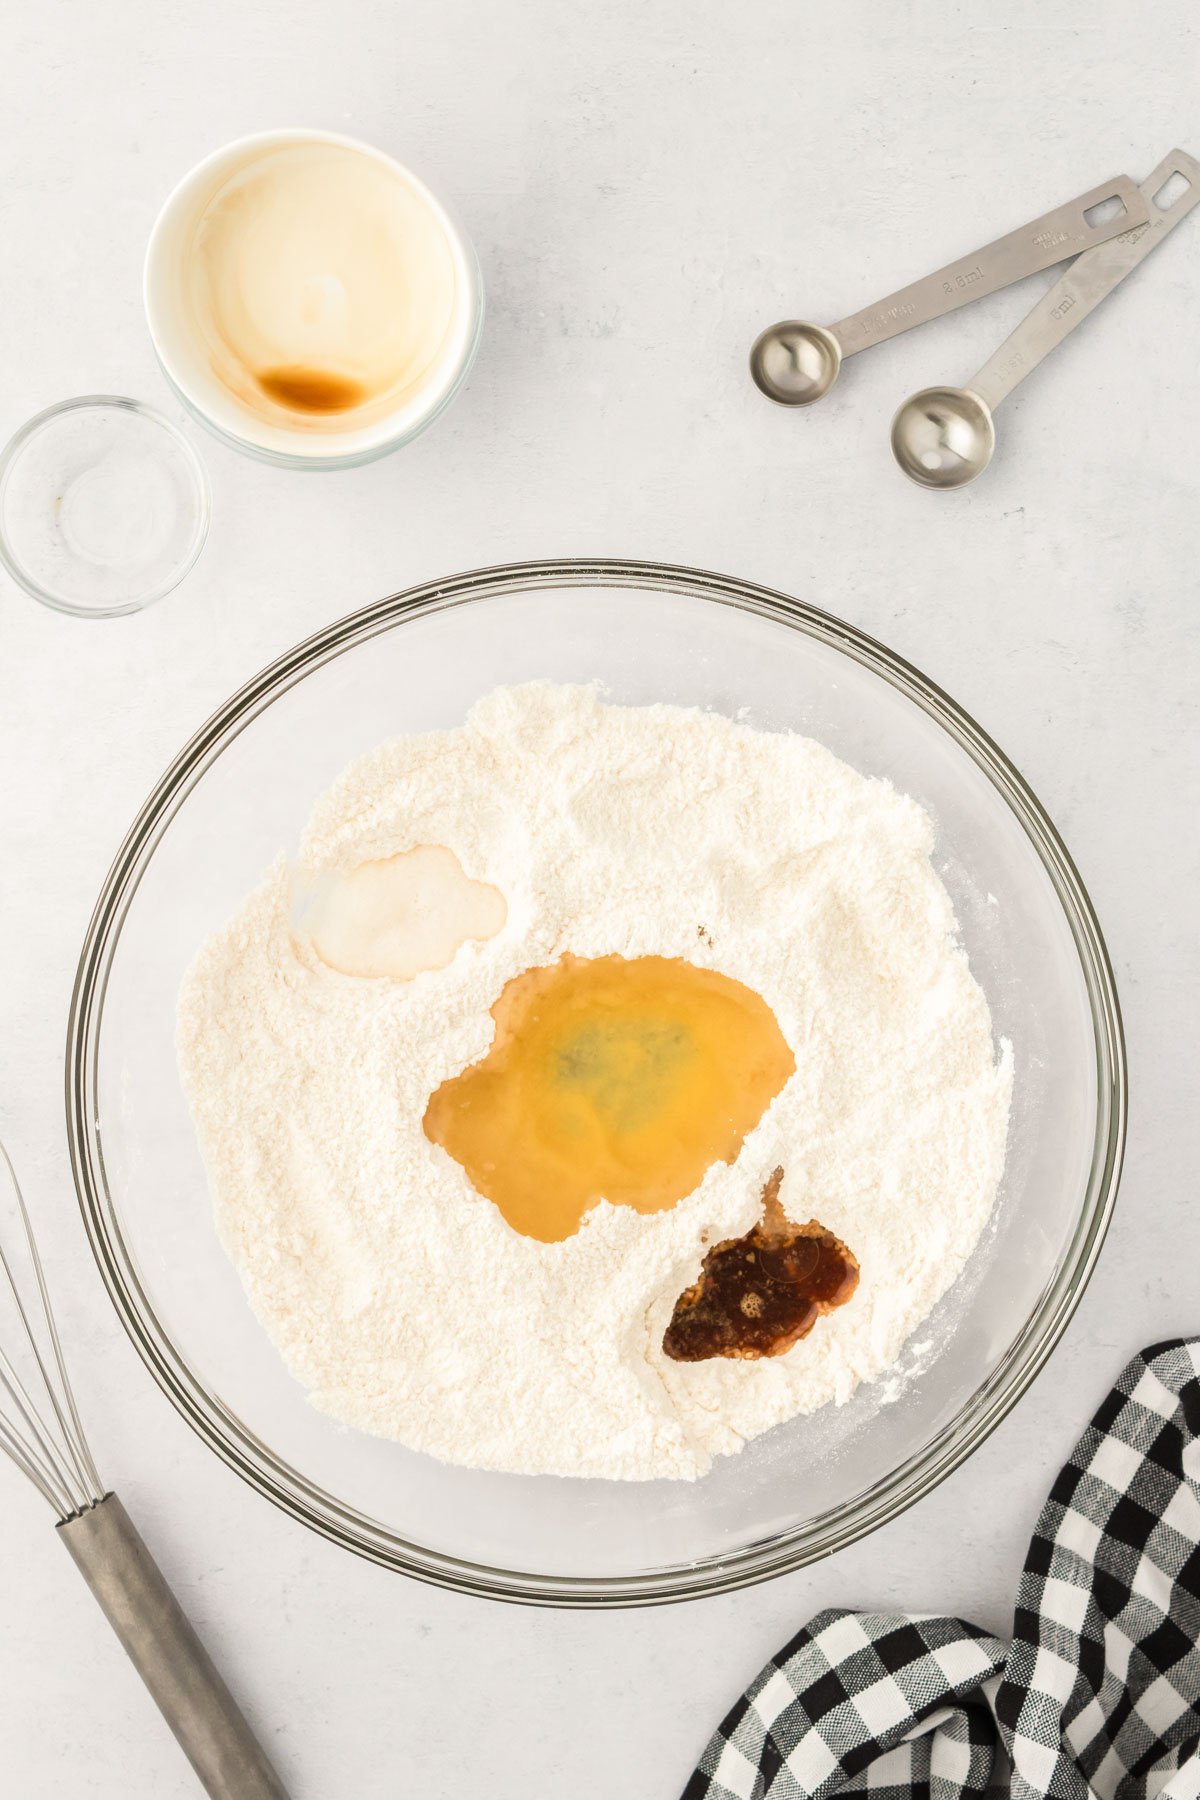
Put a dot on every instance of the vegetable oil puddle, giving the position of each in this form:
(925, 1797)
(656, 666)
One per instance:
(616, 1078)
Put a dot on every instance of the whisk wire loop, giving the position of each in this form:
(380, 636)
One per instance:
(47, 1444)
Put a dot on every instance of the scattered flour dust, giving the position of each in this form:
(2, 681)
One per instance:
(399, 1297)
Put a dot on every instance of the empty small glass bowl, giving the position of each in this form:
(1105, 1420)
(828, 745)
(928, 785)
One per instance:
(104, 506)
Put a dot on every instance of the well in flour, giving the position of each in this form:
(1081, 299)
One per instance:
(609, 1078)
(636, 832)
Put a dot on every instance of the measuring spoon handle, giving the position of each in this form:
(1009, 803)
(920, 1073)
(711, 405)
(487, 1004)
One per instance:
(1039, 245)
(1087, 282)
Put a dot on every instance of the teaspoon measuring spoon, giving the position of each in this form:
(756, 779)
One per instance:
(795, 363)
(944, 437)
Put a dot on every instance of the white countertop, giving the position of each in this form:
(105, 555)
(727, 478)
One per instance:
(648, 184)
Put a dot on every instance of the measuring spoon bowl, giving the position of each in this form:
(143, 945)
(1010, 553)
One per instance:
(943, 437)
(794, 363)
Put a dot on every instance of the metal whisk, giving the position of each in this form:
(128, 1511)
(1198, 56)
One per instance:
(40, 1431)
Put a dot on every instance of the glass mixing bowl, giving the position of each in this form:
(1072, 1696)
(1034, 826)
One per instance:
(240, 792)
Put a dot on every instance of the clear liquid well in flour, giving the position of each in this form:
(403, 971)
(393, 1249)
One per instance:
(399, 916)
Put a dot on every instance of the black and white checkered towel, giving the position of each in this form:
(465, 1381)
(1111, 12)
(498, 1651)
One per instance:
(1098, 1695)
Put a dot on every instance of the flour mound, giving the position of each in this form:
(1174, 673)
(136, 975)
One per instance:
(397, 1295)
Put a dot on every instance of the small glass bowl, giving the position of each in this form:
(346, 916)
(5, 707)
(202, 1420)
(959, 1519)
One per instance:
(104, 506)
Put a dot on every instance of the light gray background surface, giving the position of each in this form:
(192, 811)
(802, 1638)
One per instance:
(648, 182)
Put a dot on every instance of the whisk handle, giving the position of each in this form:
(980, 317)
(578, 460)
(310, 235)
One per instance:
(169, 1657)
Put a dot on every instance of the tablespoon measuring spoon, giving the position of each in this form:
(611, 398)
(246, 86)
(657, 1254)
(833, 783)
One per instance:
(796, 363)
(944, 437)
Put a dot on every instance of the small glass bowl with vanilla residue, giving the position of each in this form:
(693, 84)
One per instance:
(310, 300)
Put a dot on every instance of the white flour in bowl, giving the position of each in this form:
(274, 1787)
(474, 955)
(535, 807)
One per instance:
(399, 1297)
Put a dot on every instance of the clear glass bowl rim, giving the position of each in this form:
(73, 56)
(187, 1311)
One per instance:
(203, 497)
(244, 1452)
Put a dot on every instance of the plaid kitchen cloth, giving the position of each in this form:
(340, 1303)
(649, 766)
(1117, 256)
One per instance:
(1098, 1695)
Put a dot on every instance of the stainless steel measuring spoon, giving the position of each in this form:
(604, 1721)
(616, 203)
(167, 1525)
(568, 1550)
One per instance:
(795, 363)
(944, 437)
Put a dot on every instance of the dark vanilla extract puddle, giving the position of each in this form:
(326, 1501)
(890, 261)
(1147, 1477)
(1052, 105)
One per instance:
(759, 1294)
(311, 390)
(622, 1078)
